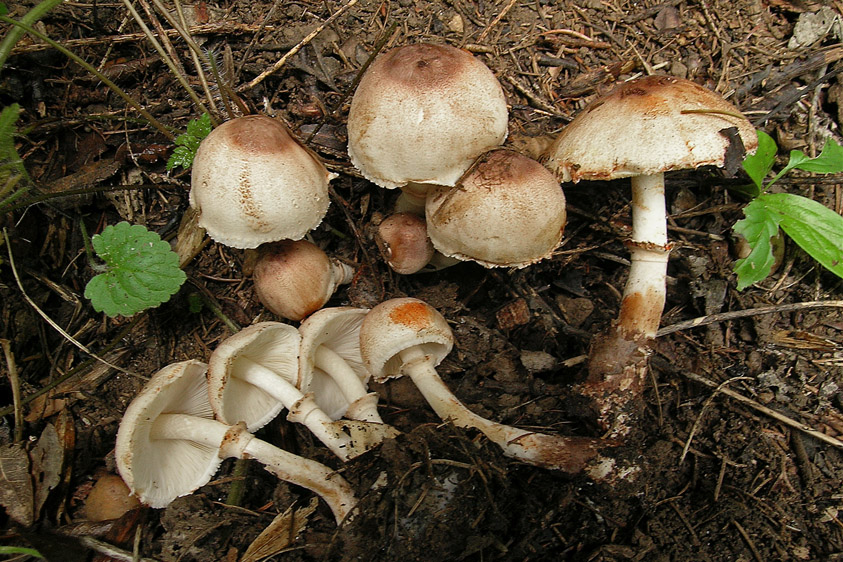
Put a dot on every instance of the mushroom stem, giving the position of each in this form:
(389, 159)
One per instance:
(350, 385)
(617, 360)
(306, 413)
(569, 454)
(236, 441)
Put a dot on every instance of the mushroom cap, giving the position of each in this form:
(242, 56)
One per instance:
(109, 498)
(160, 470)
(647, 126)
(270, 344)
(506, 211)
(399, 324)
(422, 113)
(253, 182)
(402, 239)
(337, 328)
(294, 278)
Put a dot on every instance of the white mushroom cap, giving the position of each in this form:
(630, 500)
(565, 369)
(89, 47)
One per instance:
(422, 113)
(294, 278)
(253, 182)
(160, 470)
(272, 345)
(338, 331)
(397, 325)
(506, 211)
(647, 126)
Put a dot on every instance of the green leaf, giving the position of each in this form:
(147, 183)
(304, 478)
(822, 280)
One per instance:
(20, 549)
(143, 271)
(815, 228)
(757, 228)
(188, 143)
(830, 160)
(758, 165)
(3, 9)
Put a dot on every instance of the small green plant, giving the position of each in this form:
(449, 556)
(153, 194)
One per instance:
(140, 271)
(815, 228)
(188, 143)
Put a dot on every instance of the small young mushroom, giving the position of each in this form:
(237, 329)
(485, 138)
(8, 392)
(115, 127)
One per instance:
(168, 445)
(641, 130)
(421, 115)
(253, 182)
(109, 498)
(403, 241)
(294, 279)
(330, 365)
(506, 211)
(407, 336)
(252, 377)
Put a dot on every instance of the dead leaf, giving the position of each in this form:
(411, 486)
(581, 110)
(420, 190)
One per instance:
(15, 484)
(279, 534)
(47, 458)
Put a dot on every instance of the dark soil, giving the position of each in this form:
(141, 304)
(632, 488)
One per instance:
(720, 480)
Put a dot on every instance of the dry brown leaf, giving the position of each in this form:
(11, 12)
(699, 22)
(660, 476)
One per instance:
(279, 534)
(47, 458)
(15, 484)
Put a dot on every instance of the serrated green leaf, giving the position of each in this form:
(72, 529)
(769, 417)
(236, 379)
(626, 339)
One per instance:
(143, 271)
(199, 128)
(181, 156)
(830, 160)
(759, 226)
(759, 164)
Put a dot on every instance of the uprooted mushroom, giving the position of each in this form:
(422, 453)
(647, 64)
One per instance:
(169, 444)
(641, 130)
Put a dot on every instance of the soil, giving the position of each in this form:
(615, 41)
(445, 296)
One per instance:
(720, 480)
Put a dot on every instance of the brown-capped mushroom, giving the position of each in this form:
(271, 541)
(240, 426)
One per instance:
(421, 115)
(640, 130)
(253, 182)
(295, 278)
(506, 211)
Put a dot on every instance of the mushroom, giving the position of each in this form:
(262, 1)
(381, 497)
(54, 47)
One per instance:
(295, 278)
(506, 211)
(406, 336)
(641, 130)
(252, 376)
(109, 498)
(330, 365)
(421, 115)
(253, 182)
(168, 444)
(403, 241)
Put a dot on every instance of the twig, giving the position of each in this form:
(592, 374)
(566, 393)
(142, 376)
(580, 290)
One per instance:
(14, 381)
(49, 320)
(497, 20)
(112, 551)
(283, 60)
(736, 314)
(705, 405)
(764, 409)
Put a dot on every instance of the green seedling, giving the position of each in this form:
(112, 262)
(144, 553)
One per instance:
(188, 143)
(140, 271)
(815, 228)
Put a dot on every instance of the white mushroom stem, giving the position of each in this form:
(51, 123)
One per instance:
(644, 294)
(617, 359)
(570, 454)
(350, 385)
(235, 441)
(301, 410)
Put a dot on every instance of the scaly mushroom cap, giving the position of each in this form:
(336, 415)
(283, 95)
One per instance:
(160, 470)
(269, 344)
(422, 113)
(647, 126)
(506, 211)
(338, 329)
(253, 182)
(399, 324)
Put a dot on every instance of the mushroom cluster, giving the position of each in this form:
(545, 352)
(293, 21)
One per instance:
(429, 119)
